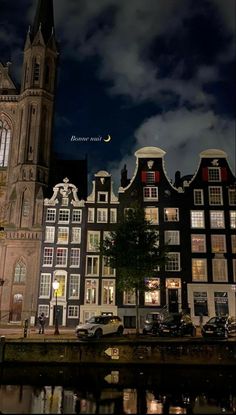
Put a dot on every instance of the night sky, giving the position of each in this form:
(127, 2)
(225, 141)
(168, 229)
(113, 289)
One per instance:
(148, 72)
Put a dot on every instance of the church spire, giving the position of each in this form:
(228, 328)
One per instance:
(44, 20)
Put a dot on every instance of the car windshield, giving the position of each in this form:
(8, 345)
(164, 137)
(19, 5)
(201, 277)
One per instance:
(172, 318)
(216, 320)
(97, 320)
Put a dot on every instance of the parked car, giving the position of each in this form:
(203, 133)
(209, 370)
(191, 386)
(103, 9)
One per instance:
(220, 326)
(177, 324)
(99, 326)
(152, 323)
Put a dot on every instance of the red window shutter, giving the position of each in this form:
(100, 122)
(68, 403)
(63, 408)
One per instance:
(157, 176)
(205, 174)
(143, 176)
(224, 174)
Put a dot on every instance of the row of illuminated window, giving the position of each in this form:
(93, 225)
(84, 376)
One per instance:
(64, 215)
(219, 270)
(215, 196)
(100, 215)
(217, 219)
(218, 243)
(61, 234)
(61, 257)
(171, 214)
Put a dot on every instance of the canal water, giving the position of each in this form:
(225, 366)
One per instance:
(111, 389)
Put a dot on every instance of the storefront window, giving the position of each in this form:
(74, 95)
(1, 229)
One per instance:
(200, 303)
(221, 303)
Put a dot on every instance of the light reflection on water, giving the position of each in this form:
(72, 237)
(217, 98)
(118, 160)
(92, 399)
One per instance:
(106, 389)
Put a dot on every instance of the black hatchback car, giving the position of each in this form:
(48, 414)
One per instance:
(177, 324)
(221, 327)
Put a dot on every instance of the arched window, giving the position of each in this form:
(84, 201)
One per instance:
(5, 135)
(20, 272)
(36, 70)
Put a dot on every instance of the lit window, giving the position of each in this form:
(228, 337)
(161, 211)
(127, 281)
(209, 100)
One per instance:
(199, 269)
(77, 215)
(214, 174)
(61, 256)
(74, 282)
(198, 197)
(218, 243)
(20, 272)
(172, 237)
(90, 214)
(215, 195)
(198, 243)
(102, 197)
(48, 256)
(171, 214)
(217, 219)
(107, 270)
(76, 235)
(197, 219)
(233, 243)
(45, 285)
(234, 270)
(152, 297)
(51, 215)
(150, 193)
(49, 234)
(43, 308)
(173, 261)
(129, 297)
(108, 292)
(5, 135)
(73, 311)
(232, 196)
(151, 215)
(64, 216)
(61, 277)
(101, 215)
(74, 257)
(232, 215)
(63, 235)
(91, 291)
(92, 265)
(93, 240)
(219, 270)
(113, 215)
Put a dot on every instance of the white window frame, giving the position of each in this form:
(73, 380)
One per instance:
(95, 282)
(102, 215)
(216, 273)
(91, 215)
(148, 193)
(129, 297)
(171, 214)
(102, 194)
(232, 218)
(74, 286)
(93, 258)
(75, 239)
(77, 257)
(73, 311)
(43, 308)
(173, 265)
(64, 257)
(211, 176)
(76, 216)
(218, 243)
(172, 237)
(108, 283)
(64, 213)
(92, 244)
(152, 215)
(197, 222)
(107, 270)
(45, 285)
(221, 216)
(62, 235)
(61, 276)
(51, 215)
(203, 276)
(49, 234)
(198, 197)
(113, 215)
(215, 196)
(48, 264)
(232, 196)
(202, 242)
(153, 297)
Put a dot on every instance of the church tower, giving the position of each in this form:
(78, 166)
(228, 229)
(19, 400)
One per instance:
(26, 124)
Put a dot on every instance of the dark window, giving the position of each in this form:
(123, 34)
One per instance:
(129, 322)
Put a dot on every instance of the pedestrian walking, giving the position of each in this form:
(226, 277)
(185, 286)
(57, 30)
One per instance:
(41, 321)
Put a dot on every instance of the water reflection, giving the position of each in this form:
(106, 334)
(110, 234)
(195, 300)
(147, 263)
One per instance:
(68, 389)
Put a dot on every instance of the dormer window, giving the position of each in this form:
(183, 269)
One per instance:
(213, 174)
(102, 197)
(150, 177)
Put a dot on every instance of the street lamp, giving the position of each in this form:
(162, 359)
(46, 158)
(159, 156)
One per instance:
(55, 285)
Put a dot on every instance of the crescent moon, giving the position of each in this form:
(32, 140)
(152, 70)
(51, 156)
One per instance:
(108, 139)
